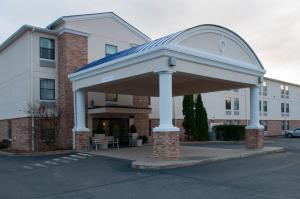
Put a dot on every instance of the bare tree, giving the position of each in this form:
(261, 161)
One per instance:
(46, 117)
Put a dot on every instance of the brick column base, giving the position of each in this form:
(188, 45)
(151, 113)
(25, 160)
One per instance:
(82, 141)
(166, 145)
(254, 138)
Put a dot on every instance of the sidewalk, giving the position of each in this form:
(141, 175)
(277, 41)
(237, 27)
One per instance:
(141, 157)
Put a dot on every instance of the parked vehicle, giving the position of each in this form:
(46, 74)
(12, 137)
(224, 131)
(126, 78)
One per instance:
(293, 133)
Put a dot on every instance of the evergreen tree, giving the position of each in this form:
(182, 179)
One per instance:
(201, 123)
(189, 116)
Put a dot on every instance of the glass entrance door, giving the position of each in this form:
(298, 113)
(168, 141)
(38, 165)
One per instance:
(117, 127)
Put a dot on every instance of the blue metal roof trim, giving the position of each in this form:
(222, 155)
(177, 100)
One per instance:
(144, 47)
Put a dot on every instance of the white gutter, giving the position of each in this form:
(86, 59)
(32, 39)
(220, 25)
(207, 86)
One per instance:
(75, 121)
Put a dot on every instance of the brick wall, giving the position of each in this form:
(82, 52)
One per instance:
(4, 127)
(72, 55)
(21, 134)
(141, 120)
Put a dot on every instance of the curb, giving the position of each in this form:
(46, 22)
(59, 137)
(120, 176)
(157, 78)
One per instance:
(160, 165)
(35, 153)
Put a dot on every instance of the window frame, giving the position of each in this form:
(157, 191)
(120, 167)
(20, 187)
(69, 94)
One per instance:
(115, 100)
(51, 49)
(54, 90)
(238, 104)
(229, 100)
(110, 45)
(265, 108)
(282, 107)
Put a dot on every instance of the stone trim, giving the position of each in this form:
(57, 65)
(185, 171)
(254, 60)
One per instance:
(254, 138)
(166, 145)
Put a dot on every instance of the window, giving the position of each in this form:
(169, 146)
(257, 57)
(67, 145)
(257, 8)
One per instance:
(282, 89)
(110, 49)
(259, 105)
(228, 103)
(282, 107)
(265, 124)
(264, 89)
(265, 106)
(236, 104)
(287, 108)
(9, 130)
(110, 97)
(47, 48)
(285, 125)
(236, 90)
(287, 91)
(47, 89)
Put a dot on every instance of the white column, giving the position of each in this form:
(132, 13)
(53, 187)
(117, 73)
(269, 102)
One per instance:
(254, 109)
(165, 103)
(80, 111)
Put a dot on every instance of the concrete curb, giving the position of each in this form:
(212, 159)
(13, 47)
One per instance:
(164, 164)
(5, 153)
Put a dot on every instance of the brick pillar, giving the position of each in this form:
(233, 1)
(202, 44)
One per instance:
(82, 141)
(254, 138)
(166, 145)
(141, 120)
(71, 56)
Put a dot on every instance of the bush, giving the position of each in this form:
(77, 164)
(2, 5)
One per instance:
(144, 138)
(230, 132)
(4, 144)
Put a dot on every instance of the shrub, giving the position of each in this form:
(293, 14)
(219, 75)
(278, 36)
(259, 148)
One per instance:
(230, 132)
(4, 144)
(144, 138)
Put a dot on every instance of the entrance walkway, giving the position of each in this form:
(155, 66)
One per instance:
(142, 157)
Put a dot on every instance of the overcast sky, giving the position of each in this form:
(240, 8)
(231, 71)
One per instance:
(271, 27)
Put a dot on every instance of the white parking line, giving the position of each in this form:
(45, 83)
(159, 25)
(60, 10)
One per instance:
(40, 165)
(77, 156)
(85, 154)
(59, 160)
(27, 167)
(68, 158)
(51, 162)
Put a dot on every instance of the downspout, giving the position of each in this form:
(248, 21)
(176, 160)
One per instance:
(31, 90)
(75, 121)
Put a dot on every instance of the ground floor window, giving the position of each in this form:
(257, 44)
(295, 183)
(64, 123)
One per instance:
(285, 125)
(265, 124)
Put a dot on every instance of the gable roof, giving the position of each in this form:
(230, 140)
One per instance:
(112, 15)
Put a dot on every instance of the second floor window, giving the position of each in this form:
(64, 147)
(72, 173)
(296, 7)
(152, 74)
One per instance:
(259, 105)
(47, 48)
(287, 108)
(110, 97)
(264, 89)
(228, 103)
(110, 49)
(236, 104)
(282, 107)
(265, 106)
(47, 89)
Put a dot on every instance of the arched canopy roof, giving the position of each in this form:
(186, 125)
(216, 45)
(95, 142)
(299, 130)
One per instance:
(206, 51)
(211, 32)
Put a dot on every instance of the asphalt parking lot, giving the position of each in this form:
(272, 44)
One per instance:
(85, 176)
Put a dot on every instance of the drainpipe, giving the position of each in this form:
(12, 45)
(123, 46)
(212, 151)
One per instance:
(75, 121)
(31, 90)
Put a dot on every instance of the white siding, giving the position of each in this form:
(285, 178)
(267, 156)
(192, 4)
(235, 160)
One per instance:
(15, 78)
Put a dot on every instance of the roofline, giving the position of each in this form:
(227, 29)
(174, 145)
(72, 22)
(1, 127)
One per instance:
(231, 31)
(61, 20)
(23, 29)
(281, 81)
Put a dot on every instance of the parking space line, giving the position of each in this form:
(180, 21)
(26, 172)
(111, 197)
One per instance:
(77, 156)
(40, 165)
(68, 158)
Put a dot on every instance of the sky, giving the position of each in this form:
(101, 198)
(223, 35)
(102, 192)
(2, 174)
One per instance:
(270, 27)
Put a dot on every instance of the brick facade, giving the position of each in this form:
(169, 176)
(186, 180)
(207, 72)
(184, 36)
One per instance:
(4, 128)
(166, 145)
(73, 51)
(254, 138)
(141, 120)
(21, 134)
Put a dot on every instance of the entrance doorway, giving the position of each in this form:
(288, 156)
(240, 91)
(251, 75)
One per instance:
(117, 127)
